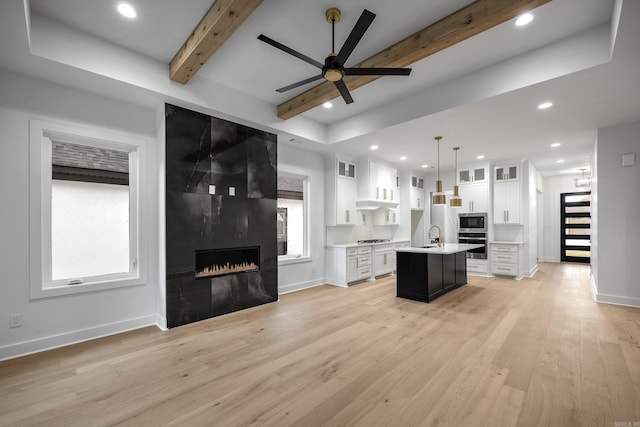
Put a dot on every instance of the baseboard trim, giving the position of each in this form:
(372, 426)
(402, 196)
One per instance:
(617, 300)
(161, 322)
(300, 286)
(24, 348)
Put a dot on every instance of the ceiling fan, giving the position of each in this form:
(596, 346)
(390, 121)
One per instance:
(333, 69)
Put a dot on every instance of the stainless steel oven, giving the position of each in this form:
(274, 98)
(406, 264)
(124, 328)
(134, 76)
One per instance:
(473, 222)
(474, 238)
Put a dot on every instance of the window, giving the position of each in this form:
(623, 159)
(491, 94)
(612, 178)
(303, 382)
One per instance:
(84, 210)
(292, 215)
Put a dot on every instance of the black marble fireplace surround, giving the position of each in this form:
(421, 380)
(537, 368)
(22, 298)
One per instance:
(238, 164)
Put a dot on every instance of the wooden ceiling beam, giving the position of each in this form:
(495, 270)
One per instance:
(462, 24)
(217, 25)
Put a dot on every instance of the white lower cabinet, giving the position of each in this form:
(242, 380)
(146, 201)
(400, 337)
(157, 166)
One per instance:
(477, 266)
(384, 259)
(350, 264)
(505, 259)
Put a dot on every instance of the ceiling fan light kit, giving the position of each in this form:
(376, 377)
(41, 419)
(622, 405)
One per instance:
(333, 69)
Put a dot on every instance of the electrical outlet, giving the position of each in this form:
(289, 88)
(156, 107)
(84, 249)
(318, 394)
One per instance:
(15, 320)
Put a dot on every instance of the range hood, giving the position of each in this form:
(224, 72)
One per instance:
(372, 205)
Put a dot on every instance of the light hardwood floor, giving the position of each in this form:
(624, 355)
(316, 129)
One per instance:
(494, 352)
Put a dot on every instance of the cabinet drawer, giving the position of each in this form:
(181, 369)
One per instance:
(383, 248)
(364, 250)
(506, 257)
(364, 261)
(476, 268)
(364, 272)
(504, 269)
(352, 251)
(504, 248)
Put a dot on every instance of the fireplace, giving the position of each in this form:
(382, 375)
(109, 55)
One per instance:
(221, 262)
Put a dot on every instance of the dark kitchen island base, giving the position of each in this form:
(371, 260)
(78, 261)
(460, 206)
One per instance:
(426, 276)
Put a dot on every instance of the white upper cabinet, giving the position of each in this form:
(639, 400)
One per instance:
(377, 185)
(472, 174)
(346, 169)
(506, 195)
(340, 192)
(506, 173)
(475, 197)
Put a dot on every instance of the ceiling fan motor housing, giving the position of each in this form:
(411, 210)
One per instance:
(330, 71)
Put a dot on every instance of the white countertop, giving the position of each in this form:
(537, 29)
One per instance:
(352, 245)
(448, 248)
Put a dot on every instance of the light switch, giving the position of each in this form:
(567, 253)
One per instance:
(212, 189)
(628, 159)
(232, 191)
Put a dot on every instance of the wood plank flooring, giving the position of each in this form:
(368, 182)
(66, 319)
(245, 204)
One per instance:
(496, 352)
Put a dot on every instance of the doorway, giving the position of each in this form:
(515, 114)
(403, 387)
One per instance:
(575, 227)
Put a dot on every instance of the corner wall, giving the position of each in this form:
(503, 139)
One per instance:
(293, 276)
(54, 322)
(618, 204)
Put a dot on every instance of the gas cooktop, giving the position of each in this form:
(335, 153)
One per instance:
(369, 241)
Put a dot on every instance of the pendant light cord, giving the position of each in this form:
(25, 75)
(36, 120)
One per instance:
(438, 158)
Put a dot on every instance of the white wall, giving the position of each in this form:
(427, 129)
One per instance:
(618, 204)
(300, 275)
(52, 322)
(553, 186)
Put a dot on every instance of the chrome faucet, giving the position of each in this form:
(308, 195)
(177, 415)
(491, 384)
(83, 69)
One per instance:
(440, 243)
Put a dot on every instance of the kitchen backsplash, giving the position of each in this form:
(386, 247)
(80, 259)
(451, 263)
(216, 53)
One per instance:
(351, 234)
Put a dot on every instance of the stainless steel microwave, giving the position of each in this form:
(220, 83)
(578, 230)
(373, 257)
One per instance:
(473, 221)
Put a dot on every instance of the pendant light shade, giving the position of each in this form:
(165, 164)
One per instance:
(455, 201)
(438, 197)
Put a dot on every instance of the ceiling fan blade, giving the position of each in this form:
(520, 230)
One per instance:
(377, 71)
(356, 34)
(300, 83)
(344, 91)
(290, 51)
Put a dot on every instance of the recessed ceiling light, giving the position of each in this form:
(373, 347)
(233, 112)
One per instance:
(127, 10)
(374, 147)
(524, 19)
(425, 166)
(327, 105)
(480, 156)
(560, 161)
(403, 158)
(545, 105)
(555, 145)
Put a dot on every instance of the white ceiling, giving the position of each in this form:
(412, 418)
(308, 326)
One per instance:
(503, 124)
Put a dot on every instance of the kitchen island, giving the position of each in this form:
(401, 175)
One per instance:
(424, 274)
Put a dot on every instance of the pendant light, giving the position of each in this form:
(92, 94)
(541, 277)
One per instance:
(438, 197)
(582, 182)
(455, 201)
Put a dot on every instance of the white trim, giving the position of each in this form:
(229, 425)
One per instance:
(300, 286)
(161, 322)
(40, 134)
(61, 340)
(293, 259)
(617, 300)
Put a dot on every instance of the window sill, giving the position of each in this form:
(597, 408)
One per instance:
(293, 259)
(38, 292)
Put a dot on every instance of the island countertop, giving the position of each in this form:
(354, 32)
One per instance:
(447, 248)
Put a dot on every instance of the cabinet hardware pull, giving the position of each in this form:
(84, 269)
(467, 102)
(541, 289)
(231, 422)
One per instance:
(346, 215)
(377, 192)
